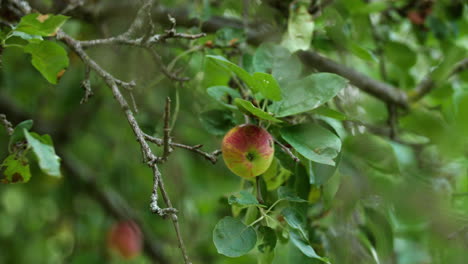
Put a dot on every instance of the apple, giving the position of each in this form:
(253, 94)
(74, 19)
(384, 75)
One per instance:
(248, 150)
(125, 238)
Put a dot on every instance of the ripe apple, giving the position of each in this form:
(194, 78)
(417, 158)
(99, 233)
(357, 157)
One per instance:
(248, 150)
(125, 238)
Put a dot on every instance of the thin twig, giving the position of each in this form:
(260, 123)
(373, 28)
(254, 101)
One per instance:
(143, 41)
(73, 4)
(8, 126)
(154, 207)
(127, 85)
(167, 130)
(135, 107)
(175, 220)
(213, 156)
(86, 84)
(287, 151)
(157, 58)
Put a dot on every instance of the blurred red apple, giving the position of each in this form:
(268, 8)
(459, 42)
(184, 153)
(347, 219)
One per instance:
(248, 150)
(125, 238)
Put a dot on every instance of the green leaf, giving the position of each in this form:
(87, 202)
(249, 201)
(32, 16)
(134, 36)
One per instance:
(313, 142)
(328, 112)
(217, 122)
(268, 238)
(267, 55)
(320, 173)
(16, 169)
(276, 175)
(300, 28)
(330, 189)
(278, 61)
(304, 246)
(249, 108)
(43, 148)
(241, 73)
(224, 95)
(374, 151)
(379, 226)
(452, 56)
(295, 220)
(49, 58)
(267, 86)
(267, 245)
(244, 199)
(309, 93)
(212, 76)
(372, 7)
(41, 25)
(399, 54)
(18, 132)
(361, 52)
(285, 193)
(232, 238)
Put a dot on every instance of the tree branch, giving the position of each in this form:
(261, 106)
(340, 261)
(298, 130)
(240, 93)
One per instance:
(427, 84)
(143, 41)
(376, 88)
(148, 156)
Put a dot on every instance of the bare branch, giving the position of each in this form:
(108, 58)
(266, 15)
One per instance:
(154, 207)
(8, 126)
(148, 155)
(213, 156)
(143, 41)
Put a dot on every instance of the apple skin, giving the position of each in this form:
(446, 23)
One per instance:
(126, 239)
(248, 150)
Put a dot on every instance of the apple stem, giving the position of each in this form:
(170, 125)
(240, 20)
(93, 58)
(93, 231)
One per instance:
(259, 191)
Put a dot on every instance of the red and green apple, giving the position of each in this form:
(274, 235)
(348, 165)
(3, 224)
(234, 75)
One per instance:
(248, 150)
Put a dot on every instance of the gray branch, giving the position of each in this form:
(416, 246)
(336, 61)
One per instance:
(383, 91)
